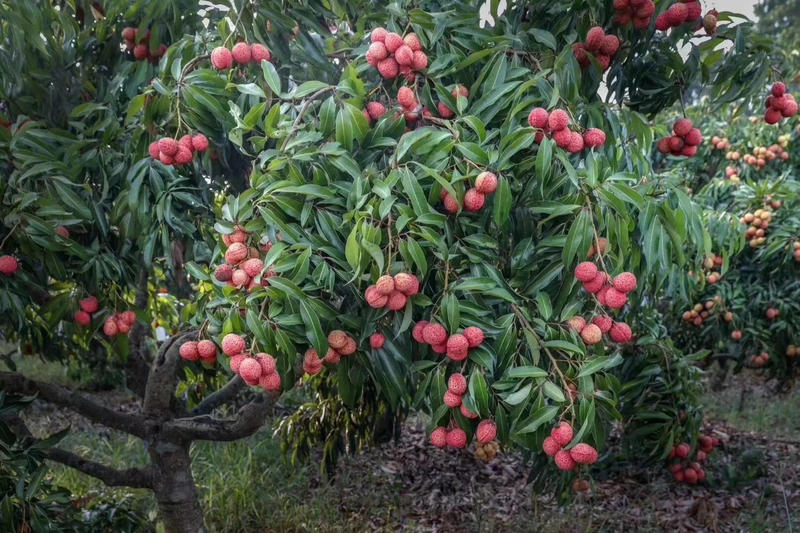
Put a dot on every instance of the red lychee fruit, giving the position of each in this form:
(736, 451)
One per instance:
(62, 231)
(451, 399)
(153, 150)
(594, 38)
(223, 273)
(575, 142)
(576, 323)
(200, 142)
(558, 120)
(597, 283)
(168, 146)
(349, 348)
(615, 299)
(404, 56)
(473, 200)
(406, 283)
(388, 68)
(457, 438)
(385, 284)
(253, 267)
(450, 203)
(89, 304)
(332, 356)
(207, 349)
(420, 61)
(393, 41)
(682, 126)
(259, 53)
(603, 322)
(183, 156)
(439, 348)
(591, 334)
(221, 58)
(538, 118)
(444, 111)
(236, 253)
(579, 53)
(140, 51)
(486, 183)
(188, 351)
(311, 362)
(417, 334)
(378, 35)
(562, 433)
(772, 116)
(129, 317)
(788, 111)
(396, 301)
(594, 137)
(110, 327)
(375, 299)
(694, 137)
(434, 334)
(693, 11)
(778, 89)
(620, 332)
(457, 383)
(128, 33)
(82, 318)
(466, 412)
(232, 344)
(690, 476)
(564, 460)
(550, 446)
(186, 141)
(239, 278)
(583, 454)
(563, 138)
(439, 437)
(241, 53)
(412, 41)
(676, 15)
(474, 336)
(457, 347)
(625, 282)
(586, 271)
(250, 371)
(267, 362)
(486, 431)
(270, 382)
(337, 339)
(736, 335)
(406, 97)
(376, 110)
(682, 450)
(610, 45)
(376, 340)
(122, 327)
(236, 361)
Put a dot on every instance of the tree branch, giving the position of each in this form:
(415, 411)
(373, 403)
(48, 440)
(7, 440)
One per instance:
(136, 369)
(248, 420)
(134, 424)
(163, 377)
(139, 478)
(220, 397)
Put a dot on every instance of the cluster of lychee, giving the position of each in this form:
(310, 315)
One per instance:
(8, 265)
(456, 346)
(408, 101)
(392, 54)
(678, 14)
(260, 369)
(592, 332)
(142, 50)
(373, 111)
(580, 454)
(392, 292)
(762, 155)
(772, 313)
(702, 311)
(710, 22)
(796, 250)
(684, 470)
(340, 344)
(779, 104)
(603, 46)
(610, 293)
(760, 360)
(720, 143)
(456, 437)
(475, 197)
(758, 222)
(711, 265)
(204, 350)
(180, 152)
(456, 388)
(640, 12)
(556, 124)
(487, 452)
(88, 306)
(446, 112)
(732, 173)
(241, 53)
(685, 139)
(243, 267)
(119, 323)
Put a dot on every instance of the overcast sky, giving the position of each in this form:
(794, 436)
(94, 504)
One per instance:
(745, 7)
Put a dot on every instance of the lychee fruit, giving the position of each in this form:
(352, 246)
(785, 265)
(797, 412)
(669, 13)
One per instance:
(267, 362)
(576, 323)
(457, 347)
(474, 336)
(385, 284)
(388, 68)
(332, 356)
(434, 334)
(412, 41)
(591, 334)
(486, 183)
(676, 14)
(736, 335)
(232, 344)
(451, 399)
(682, 126)
(236, 253)
(259, 53)
(457, 438)
(250, 370)
(564, 460)
(575, 142)
(439, 437)
(236, 361)
(439, 348)
(457, 384)
(682, 450)
(620, 332)
(597, 283)
(168, 146)
(183, 156)
(416, 333)
(270, 382)
(404, 55)
(558, 120)
(583, 454)
(450, 204)
(562, 433)
(239, 278)
(188, 351)
(311, 362)
(82, 318)
(349, 347)
(615, 299)
(538, 118)
(140, 51)
(110, 327)
(603, 322)
(375, 299)
(253, 267)
(466, 412)
(594, 137)
(223, 273)
(241, 53)
(694, 137)
(486, 431)
(625, 282)
(586, 271)
(207, 349)
(420, 61)
(376, 110)
(406, 97)
(406, 283)
(610, 45)
(153, 150)
(396, 301)
(393, 41)
(89, 304)
(200, 142)
(221, 58)
(378, 35)
(594, 38)
(337, 339)
(550, 446)
(376, 340)
(473, 200)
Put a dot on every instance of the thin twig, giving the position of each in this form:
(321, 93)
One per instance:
(301, 114)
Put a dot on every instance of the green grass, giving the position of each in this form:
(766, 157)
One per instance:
(756, 410)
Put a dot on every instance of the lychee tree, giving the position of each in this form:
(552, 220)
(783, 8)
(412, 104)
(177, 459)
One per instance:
(444, 212)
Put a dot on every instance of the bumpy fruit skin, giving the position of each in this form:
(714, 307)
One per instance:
(594, 38)
(62, 231)
(564, 460)
(412, 41)
(406, 283)
(451, 399)
(241, 53)
(240, 278)
(586, 271)
(615, 299)
(207, 349)
(397, 301)
(378, 35)
(439, 437)
(82, 318)
(594, 137)
(311, 362)
(538, 118)
(576, 323)
(682, 127)
(457, 347)
(168, 146)
(486, 431)
(393, 41)
(473, 200)
(682, 450)
(603, 322)
(597, 283)
(457, 384)
(270, 382)
(406, 97)
(620, 332)
(236, 361)
(550, 446)
(575, 142)
(188, 351)
(474, 336)
(486, 183)
(376, 340)
(376, 110)
(457, 438)
(778, 89)
(260, 53)
(404, 56)
(349, 348)
(89, 304)
(583, 454)
(375, 299)
(337, 339)
(450, 204)
(444, 111)
(153, 150)
(558, 120)
(420, 61)
(562, 433)
(434, 334)
(610, 45)
(439, 348)
(332, 356)
(466, 412)
(183, 156)
(236, 253)
(129, 317)
(223, 273)
(625, 282)
(221, 58)
(267, 362)
(8, 265)
(140, 51)
(385, 285)
(110, 327)
(388, 68)
(676, 14)
(250, 371)
(416, 333)
(694, 137)
(591, 334)
(232, 344)
(693, 11)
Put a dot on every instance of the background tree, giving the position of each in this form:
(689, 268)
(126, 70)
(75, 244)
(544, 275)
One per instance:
(326, 202)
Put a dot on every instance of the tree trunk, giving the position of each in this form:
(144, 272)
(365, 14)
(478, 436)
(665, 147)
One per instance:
(173, 485)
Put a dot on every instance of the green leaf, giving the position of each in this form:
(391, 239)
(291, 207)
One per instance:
(314, 331)
(271, 76)
(537, 419)
(479, 392)
(526, 372)
(553, 391)
(502, 203)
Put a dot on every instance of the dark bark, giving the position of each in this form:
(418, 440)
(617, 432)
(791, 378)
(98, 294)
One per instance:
(159, 396)
(248, 420)
(173, 485)
(220, 397)
(131, 477)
